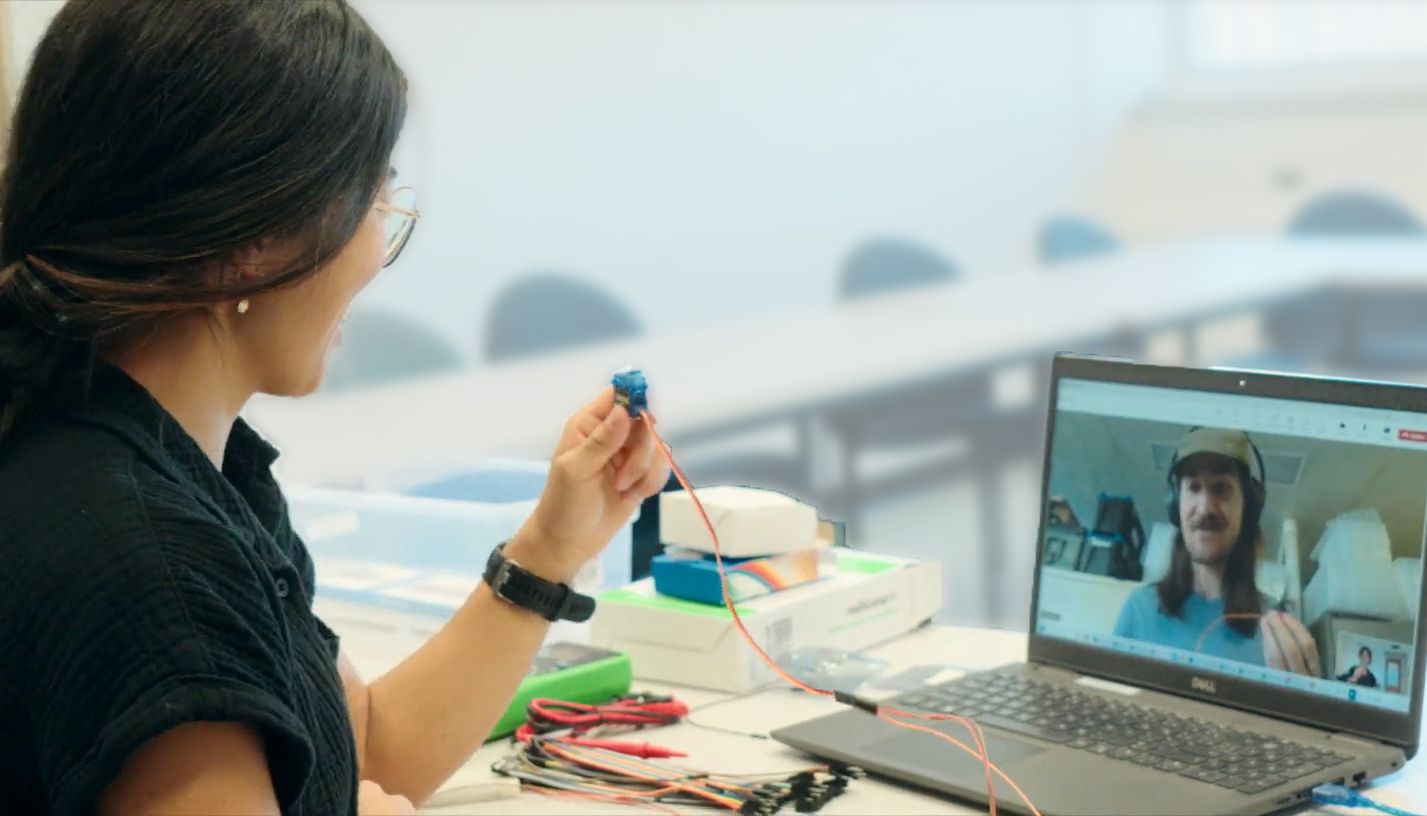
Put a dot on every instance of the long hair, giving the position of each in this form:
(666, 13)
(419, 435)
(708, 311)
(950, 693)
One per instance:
(152, 141)
(1241, 595)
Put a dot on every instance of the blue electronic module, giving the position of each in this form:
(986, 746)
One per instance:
(631, 391)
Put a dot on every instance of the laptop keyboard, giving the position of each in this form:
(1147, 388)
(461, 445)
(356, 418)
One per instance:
(1200, 749)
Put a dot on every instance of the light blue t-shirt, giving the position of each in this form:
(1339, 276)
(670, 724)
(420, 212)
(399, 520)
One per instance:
(1142, 619)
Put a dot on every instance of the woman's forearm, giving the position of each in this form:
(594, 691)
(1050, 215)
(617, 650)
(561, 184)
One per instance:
(427, 715)
(425, 718)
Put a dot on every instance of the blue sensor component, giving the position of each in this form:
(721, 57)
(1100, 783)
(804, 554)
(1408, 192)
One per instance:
(631, 391)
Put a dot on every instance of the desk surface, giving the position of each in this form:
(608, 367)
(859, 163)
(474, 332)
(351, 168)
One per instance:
(728, 376)
(376, 648)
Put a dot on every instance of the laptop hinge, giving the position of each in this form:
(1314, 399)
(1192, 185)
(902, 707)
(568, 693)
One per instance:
(1355, 739)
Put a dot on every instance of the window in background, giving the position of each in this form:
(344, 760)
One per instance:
(1231, 34)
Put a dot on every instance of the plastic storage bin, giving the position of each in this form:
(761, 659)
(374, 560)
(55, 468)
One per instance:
(424, 551)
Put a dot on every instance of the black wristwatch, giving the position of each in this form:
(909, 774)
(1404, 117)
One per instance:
(517, 585)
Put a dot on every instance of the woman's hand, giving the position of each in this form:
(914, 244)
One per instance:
(605, 465)
(373, 801)
(1288, 645)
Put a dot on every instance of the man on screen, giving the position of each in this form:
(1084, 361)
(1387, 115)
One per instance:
(1208, 600)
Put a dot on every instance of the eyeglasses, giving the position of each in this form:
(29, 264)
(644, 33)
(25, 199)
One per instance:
(401, 215)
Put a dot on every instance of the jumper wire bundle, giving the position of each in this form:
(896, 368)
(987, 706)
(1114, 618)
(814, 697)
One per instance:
(564, 753)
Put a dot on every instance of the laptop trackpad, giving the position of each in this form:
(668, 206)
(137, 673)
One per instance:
(938, 758)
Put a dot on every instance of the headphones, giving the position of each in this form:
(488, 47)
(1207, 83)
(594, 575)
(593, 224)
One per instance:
(1255, 493)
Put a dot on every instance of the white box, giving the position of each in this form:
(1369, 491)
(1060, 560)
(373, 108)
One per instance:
(750, 522)
(864, 600)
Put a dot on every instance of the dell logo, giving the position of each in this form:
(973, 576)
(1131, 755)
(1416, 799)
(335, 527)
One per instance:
(1203, 684)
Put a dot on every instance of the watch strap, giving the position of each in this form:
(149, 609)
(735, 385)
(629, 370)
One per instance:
(521, 587)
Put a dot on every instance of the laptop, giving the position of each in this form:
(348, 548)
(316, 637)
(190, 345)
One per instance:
(1226, 606)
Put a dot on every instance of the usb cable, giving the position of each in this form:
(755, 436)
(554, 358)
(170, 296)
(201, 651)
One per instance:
(1347, 797)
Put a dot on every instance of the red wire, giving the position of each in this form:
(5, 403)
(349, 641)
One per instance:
(544, 713)
(545, 716)
(979, 752)
(615, 764)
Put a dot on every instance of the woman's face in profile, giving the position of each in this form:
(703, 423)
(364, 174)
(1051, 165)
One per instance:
(287, 334)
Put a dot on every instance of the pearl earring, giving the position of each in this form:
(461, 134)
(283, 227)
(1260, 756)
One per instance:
(243, 306)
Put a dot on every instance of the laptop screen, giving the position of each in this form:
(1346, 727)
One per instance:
(1276, 541)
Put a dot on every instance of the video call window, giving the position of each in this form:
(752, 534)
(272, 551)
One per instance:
(1274, 540)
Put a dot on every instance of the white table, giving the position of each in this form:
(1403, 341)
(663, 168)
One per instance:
(713, 379)
(376, 647)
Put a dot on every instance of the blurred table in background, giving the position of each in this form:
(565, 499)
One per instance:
(1159, 302)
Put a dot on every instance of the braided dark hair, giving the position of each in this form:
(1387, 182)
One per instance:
(155, 139)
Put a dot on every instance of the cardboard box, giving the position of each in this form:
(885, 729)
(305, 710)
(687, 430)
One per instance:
(863, 600)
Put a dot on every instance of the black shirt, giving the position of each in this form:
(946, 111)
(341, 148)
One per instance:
(1368, 679)
(140, 588)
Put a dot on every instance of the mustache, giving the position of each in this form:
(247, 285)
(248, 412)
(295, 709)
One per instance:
(1210, 523)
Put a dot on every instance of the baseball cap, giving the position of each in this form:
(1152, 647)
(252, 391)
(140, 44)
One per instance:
(1233, 444)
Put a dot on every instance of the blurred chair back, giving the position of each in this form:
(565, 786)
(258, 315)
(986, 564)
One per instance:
(550, 311)
(1070, 237)
(1354, 213)
(380, 347)
(1377, 333)
(886, 264)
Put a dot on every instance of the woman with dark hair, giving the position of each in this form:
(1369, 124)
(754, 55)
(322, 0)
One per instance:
(1361, 674)
(193, 194)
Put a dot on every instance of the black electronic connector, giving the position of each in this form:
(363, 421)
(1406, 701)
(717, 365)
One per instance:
(849, 699)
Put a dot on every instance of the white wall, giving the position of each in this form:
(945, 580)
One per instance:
(707, 160)
(711, 159)
(25, 22)
(1193, 166)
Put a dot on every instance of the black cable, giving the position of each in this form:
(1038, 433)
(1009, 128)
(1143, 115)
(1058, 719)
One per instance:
(747, 695)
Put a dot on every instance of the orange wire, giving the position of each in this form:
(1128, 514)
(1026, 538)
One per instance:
(981, 745)
(671, 786)
(1204, 635)
(618, 765)
(976, 736)
(979, 752)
